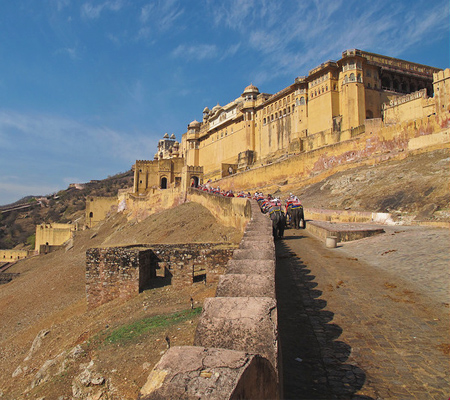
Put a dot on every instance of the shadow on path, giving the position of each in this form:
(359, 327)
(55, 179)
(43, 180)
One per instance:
(312, 357)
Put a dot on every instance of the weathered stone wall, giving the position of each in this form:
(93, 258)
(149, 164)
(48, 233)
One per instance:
(123, 272)
(116, 272)
(189, 261)
(236, 351)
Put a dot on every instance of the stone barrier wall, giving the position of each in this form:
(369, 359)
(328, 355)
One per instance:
(116, 272)
(236, 350)
(184, 264)
(123, 272)
(230, 211)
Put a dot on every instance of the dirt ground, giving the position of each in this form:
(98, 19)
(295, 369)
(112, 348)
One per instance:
(43, 314)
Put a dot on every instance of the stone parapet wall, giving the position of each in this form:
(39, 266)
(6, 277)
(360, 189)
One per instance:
(236, 353)
(230, 211)
(320, 214)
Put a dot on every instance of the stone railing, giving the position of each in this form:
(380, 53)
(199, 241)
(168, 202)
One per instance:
(236, 350)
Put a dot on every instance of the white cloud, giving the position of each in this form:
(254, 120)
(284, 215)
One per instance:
(60, 136)
(196, 52)
(292, 37)
(159, 16)
(72, 52)
(93, 12)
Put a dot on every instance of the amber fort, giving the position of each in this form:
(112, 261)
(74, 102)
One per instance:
(335, 102)
(363, 108)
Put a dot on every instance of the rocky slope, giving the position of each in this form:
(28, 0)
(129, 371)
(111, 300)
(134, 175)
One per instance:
(416, 188)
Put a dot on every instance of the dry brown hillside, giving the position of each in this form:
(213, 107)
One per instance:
(416, 188)
(46, 304)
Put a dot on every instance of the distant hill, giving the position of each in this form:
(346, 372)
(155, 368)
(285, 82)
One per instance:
(18, 220)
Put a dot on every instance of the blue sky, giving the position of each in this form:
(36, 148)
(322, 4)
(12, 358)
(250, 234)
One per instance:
(88, 87)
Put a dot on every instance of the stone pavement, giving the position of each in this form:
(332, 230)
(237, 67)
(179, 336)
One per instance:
(366, 320)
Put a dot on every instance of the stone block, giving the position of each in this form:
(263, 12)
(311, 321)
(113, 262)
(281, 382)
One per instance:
(261, 267)
(240, 323)
(191, 372)
(257, 244)
(239, 285)
(250, 254)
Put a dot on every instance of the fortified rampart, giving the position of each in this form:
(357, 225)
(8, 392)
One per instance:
(236, 351)
(369, 146)
(14, 255)
(230, 211)
(53, 235)
(123, 272)
(97, 208)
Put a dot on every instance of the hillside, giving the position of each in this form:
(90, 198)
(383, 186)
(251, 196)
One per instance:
(49, 297)
(17, 227)
(413, 189)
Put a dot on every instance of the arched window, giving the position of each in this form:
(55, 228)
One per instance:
(91, 214)
(345, 78)
(302, 101)
(352, 77)
(163, 183)
(264, 121)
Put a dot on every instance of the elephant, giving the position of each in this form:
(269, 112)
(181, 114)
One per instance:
(295, 212)
(278, 222)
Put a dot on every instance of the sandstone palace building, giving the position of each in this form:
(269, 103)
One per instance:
(333, 103)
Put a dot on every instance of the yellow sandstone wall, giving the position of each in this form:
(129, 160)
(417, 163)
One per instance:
(13, 255)
(97, 209)
(230, 211)
(369, 147)
(53, 234)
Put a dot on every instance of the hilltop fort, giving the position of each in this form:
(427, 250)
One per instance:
(363, 108)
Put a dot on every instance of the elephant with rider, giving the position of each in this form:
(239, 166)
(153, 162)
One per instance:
(278, 221)
(296, 214)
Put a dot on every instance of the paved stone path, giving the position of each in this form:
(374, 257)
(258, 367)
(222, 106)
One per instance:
(366, 320)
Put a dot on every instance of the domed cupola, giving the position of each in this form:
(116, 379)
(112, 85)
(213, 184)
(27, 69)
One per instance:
(194, 124)
(250, 92)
